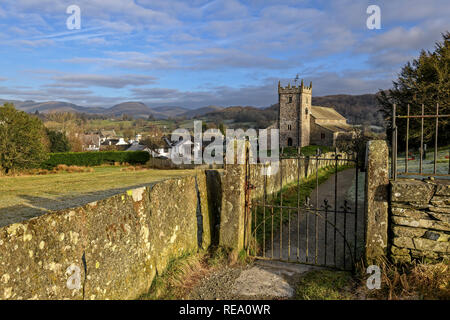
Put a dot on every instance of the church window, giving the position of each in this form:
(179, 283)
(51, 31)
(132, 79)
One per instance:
(289, 142)
(290, 99)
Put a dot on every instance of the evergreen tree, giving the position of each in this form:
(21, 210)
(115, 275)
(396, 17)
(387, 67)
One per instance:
(22, 139)
(58, 141)
(425, 80)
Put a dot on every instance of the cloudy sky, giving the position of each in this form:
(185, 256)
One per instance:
(197, 53)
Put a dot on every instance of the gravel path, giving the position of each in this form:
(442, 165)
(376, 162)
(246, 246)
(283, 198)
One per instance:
(217, 286)
(261, 280)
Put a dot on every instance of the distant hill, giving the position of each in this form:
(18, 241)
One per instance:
(170, 112)
(200, 111)
(51, 106)
(135, 109)
(358, 109)
(258, 116)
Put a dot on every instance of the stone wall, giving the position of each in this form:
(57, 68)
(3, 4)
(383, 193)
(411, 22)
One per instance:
(420, 219)
(163, 164)
(316, 136)
(114, 247)
(289, 172)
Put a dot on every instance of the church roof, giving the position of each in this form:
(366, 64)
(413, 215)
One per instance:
(325, 113)
(336, 127)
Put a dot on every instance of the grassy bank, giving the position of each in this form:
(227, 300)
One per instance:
(325, 285)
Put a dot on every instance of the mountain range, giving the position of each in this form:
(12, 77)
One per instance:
(132, 108)
(356, 108)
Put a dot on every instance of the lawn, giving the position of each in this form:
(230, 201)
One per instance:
(442, 167)
(24, 197)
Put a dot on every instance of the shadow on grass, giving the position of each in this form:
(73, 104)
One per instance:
(34, 206)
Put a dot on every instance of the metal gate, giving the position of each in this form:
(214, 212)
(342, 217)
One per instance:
(311, 211)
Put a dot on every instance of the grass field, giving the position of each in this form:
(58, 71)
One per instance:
(24, 197)
(442, 167)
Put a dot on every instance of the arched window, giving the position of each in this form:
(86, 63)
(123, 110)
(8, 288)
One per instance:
(306, 111)
(289, 142)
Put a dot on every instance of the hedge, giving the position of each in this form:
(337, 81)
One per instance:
(95, 158)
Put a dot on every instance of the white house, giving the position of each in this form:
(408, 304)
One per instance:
(184, 148)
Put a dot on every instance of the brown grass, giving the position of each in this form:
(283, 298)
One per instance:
(133, 168)
(58, 169)
(414, 281)
(179, 278)
(184, 273)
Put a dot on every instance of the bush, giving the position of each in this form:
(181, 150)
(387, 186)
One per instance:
(95, 158)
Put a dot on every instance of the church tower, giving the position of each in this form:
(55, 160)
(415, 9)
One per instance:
(294, 114)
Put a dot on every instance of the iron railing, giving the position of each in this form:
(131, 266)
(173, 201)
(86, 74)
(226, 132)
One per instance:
(312, 231)
(394, 145)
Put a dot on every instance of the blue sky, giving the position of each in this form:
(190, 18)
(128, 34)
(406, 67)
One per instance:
(198, 53)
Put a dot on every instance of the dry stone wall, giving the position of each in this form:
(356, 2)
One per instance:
(109, 249)
(420, 219)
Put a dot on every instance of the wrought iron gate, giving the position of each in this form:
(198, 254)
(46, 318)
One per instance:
(285, 221)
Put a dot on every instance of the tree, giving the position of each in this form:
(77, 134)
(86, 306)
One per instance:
(58, 141)
(22, 139)
(154, 138)
(425, 80)
(222, 128)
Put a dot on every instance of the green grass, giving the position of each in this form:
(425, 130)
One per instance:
(324, 285)
(31, 195)
(291, 193)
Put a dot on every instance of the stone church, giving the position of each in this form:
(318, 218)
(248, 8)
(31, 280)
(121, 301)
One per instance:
(302, 124)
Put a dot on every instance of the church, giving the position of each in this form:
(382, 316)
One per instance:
(302, 124)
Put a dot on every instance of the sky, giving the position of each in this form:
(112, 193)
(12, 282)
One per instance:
(199, 53)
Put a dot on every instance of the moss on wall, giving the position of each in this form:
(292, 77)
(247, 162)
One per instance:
(121, 242)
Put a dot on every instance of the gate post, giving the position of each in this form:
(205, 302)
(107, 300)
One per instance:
(233, 211)
(376, 200)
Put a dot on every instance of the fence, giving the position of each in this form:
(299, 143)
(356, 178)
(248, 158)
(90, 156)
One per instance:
(423, 116)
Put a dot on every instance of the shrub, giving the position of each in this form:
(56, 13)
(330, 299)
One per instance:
(95, 158)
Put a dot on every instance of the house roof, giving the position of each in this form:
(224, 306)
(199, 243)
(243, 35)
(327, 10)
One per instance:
(325, 113)
(137, 147)
(108, 133)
